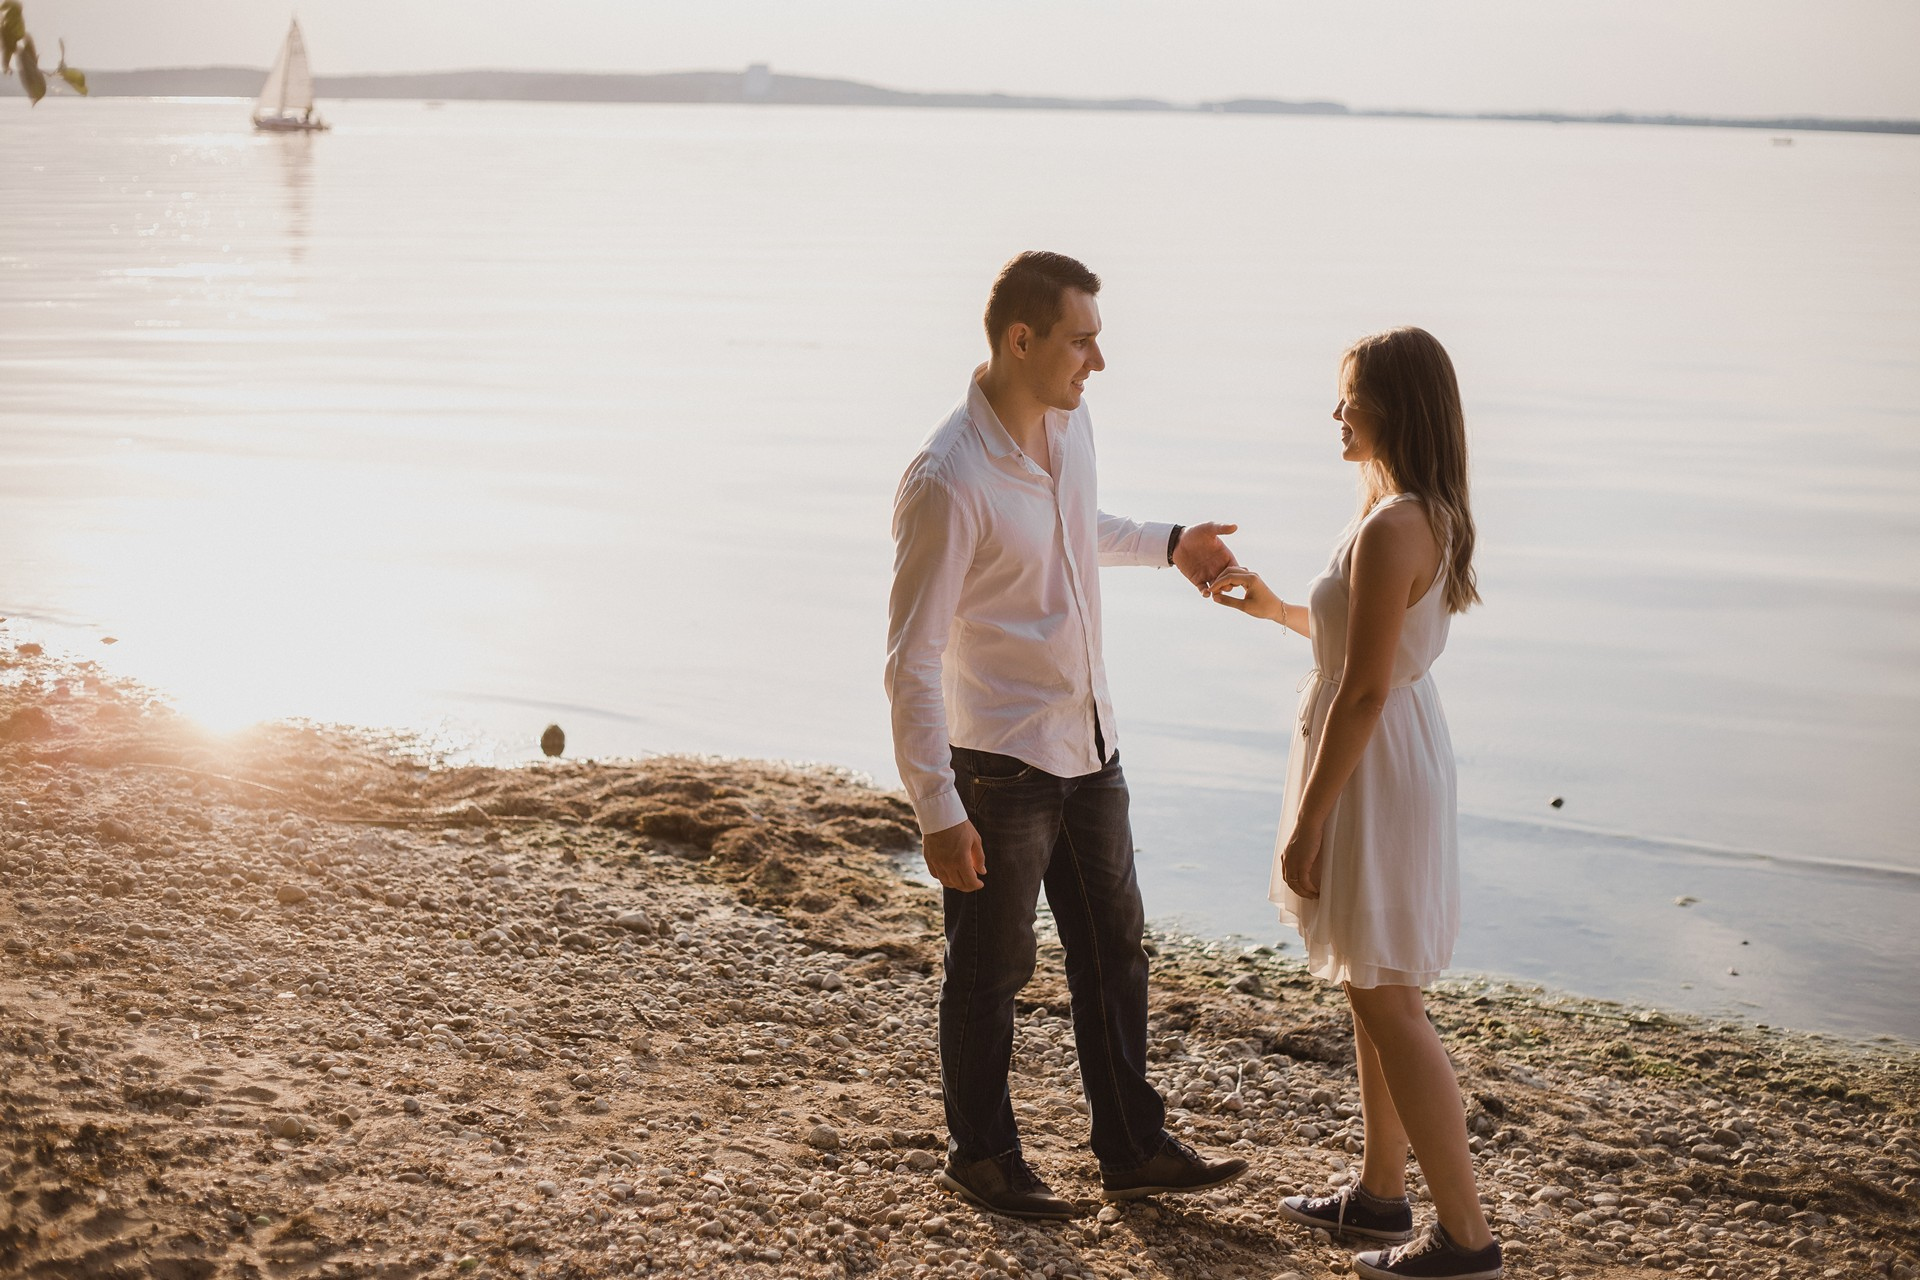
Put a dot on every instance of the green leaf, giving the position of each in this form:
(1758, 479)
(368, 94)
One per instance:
(32, 79)
(13, 32)
(72, 75)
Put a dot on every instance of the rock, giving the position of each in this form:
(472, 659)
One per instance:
(24, 723)
(1685, 900)
(114, 830)
(1248, 984)
(1557, 801)
(824, 1137)
(934, 1226)
(1111, 1214)
(922, 1161)
(553, 740)
(636, 920)
(286, 1127)
(410, 1105)
(290, 895)
(547, 1188)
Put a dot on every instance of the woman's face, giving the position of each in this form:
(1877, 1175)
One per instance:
(1358, 429)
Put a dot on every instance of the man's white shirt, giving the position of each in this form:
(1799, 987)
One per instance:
(993, 638)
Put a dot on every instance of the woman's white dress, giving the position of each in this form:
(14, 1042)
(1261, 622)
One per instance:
(1389, 904)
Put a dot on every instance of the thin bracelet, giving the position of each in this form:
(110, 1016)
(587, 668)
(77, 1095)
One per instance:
(1283, 615)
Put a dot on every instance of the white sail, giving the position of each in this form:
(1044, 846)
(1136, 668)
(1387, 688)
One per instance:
(289, 87)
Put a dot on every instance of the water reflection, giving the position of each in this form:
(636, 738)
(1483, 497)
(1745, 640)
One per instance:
(294, 162)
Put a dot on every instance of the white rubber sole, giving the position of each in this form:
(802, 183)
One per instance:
(1361, 1267)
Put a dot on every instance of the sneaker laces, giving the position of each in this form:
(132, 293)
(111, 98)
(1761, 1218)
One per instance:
(1429, 1242)
(1339, 1201)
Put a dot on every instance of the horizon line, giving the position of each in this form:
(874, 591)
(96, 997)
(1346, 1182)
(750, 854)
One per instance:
(882, 95)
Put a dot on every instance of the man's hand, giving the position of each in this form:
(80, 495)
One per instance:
(1200, 554)
(955, 857)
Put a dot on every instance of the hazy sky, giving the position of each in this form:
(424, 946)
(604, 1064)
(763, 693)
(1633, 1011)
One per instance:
(1829, 57)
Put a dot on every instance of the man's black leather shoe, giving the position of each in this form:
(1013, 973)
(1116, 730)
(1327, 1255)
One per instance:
(1177, 1168)
(1006, 1185)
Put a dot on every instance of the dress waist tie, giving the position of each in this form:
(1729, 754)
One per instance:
(1309, 688)
(1314, 681)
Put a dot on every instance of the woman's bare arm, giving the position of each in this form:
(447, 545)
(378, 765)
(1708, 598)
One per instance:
(1257, 599)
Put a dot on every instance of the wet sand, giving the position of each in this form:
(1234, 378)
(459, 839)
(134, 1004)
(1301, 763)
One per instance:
(309, 1002)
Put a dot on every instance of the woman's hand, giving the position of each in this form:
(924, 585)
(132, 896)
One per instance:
(1300, 860)
(1257, 599)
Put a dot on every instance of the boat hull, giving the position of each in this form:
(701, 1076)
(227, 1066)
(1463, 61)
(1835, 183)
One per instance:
(275, 124)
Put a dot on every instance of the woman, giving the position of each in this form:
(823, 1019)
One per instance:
(1366, 866)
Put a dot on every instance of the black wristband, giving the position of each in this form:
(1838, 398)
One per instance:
(1173, 540)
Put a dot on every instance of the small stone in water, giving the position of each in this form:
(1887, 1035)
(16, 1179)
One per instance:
(553, 740)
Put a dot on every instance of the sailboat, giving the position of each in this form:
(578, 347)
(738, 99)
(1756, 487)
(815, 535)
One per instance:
(285, 104)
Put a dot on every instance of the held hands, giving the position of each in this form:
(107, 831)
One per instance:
(1200, 555)
(955, 857)
(1300, 860)
(1256, 599)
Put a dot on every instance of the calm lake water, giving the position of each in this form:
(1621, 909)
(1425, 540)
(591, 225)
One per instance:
(470, 418)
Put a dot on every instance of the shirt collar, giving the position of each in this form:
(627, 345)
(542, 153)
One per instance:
(992, 432)
(986, 422)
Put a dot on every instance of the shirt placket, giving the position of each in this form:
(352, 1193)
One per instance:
(1076, 584)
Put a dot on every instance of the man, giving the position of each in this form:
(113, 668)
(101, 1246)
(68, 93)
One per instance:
(1005, 738)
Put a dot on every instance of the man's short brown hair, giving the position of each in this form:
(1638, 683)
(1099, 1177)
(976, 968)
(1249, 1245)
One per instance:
(1030, 290)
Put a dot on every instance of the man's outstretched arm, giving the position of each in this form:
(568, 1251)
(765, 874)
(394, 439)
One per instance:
(1197, 551)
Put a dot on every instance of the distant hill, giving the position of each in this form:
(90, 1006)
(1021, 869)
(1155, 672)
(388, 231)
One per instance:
(759, 85)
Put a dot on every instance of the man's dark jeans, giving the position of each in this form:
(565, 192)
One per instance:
(1070, 835)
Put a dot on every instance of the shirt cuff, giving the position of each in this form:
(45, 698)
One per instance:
(1153, 542)
(939, 811)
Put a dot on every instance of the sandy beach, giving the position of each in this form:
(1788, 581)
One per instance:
(308, 1001)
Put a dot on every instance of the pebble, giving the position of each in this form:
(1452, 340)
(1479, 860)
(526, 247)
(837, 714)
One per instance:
(290, 895)
(547, 1188)
(553, 740)
(637, 921)
(286, 1127)
(824, 1137)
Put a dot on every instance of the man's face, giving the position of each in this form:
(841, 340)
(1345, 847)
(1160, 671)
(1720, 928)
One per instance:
(1057, 366)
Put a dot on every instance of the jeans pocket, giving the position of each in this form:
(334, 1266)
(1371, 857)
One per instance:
(989, 769)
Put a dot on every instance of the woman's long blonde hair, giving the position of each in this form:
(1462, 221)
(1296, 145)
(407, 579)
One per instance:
(1404, 380)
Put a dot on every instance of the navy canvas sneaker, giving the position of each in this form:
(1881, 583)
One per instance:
(1434, 1256)
(1353, 1212)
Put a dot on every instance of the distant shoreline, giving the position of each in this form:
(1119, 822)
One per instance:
(760, 86)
